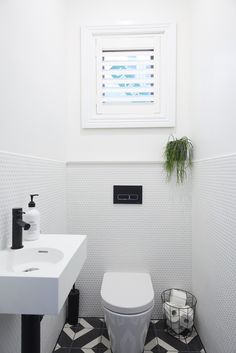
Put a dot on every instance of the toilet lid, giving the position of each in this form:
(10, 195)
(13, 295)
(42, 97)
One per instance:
(127, 293)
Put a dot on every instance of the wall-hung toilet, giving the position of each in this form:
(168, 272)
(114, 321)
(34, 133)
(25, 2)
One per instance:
(127, 301)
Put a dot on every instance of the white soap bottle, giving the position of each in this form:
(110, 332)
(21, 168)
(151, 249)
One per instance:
(32, 216)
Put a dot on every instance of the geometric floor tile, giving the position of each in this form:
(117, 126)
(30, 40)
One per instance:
(90, 335)
(58, 349)
(168, 343)
(151, 340)
(91, 322)
(158, 324)
(66, 338)
(76, 350)
(105, 343)
(87, 338)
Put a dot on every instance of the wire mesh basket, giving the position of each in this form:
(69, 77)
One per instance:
(179, 319)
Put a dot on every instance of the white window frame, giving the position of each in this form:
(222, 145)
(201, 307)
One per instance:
(164, 116)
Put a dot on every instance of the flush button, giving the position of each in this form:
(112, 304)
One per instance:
(131, 194)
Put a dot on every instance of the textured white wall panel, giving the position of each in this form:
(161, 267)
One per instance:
(20, 176)
(214, 252)
(153, 237)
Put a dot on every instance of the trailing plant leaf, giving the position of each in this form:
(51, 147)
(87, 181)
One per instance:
(178, 157)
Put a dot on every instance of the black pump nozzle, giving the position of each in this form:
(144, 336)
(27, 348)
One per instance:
(32, 203)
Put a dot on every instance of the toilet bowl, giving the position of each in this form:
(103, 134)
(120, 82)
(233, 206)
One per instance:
(127, 301)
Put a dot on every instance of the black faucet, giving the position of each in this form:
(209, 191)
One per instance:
(17, 225)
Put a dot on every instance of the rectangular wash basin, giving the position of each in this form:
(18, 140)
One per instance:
(37, 279)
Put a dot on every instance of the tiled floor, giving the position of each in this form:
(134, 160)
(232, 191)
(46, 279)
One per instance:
(90, 336)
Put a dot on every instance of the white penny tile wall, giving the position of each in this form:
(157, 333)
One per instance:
(153, 237)
(214, 252)
(20, 176)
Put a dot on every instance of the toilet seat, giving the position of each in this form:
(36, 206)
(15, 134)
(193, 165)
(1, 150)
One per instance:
(127, 292)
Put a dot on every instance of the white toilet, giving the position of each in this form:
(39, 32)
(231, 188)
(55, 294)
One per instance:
(127, 300)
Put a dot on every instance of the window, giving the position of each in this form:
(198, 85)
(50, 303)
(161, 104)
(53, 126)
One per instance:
(127, 79)
(128, 76)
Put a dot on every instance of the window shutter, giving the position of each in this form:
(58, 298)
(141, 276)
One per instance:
(127, 76)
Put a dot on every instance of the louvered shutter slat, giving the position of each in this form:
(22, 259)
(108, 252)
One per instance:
(134, 99)
(127, 90)
(127, 81)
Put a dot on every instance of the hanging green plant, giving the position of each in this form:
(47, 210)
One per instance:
(178, 157)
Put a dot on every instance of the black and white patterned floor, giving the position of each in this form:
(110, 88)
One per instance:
(90, 336)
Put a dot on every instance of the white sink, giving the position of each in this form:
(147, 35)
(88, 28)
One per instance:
(35, 259)
(37, 279)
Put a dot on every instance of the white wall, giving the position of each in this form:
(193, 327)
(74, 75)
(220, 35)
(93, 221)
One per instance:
(154, 237)
(160, 246)
(32, 122)
(125, 144)
(214, 182)
(19, 177)
(214, 248)
(32, 71)
(214, 78)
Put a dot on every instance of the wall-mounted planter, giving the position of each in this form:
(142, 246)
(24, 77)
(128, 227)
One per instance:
(178, 157)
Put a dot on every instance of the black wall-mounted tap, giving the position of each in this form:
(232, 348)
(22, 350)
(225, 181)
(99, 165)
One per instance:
(17, 225)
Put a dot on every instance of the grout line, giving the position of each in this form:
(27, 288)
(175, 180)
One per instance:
(215, 157)
(30, 156)
(200, 339)
(71, 163)
(74, 163)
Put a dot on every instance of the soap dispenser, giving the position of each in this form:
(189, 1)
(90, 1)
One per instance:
(32, 216)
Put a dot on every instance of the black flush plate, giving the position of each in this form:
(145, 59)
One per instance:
(130, 194)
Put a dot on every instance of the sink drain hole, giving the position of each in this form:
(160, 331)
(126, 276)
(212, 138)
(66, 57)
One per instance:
(31, 269)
